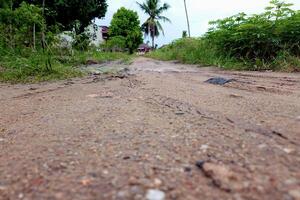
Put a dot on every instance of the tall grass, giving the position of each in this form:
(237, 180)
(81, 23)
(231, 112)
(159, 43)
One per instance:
(30, 66)
(195, 51)
(267, 41)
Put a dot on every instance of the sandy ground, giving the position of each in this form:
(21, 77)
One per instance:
(160, 128)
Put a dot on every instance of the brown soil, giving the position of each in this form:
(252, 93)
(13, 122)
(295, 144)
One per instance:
(160, 128)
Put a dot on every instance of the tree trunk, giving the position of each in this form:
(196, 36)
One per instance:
(10, 27)
(153, 43)
(43, 28)
(34, 37)
(187, 18)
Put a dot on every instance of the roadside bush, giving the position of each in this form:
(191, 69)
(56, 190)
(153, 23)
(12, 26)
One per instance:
(268, 41)
(258, 37)
(116, 43)
(194, 51)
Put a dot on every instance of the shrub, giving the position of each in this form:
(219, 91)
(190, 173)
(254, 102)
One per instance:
(260, 36)
(116, 43)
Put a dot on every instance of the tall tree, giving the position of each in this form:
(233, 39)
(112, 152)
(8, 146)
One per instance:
(126, 25)
(187, 18)
(70, 13)
(152, 25)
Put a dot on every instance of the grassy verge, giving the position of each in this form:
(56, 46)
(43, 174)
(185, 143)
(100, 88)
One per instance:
(28, 67)
(201, 51)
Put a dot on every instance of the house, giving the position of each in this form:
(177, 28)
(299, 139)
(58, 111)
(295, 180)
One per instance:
(97, 34)
(143, 49)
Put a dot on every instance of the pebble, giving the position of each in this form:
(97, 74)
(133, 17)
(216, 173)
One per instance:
(21, 196)
(204, 147)
(1, 140)
(157, 182)
(187, 169)
(155, 195)
(200, 164)
(262, 146)
(136, 190)
(105, 172)
(298, 118)
(123, 195)
(288, 150)
(295, 194)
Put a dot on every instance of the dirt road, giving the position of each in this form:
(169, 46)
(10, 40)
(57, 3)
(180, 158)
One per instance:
(159, 133)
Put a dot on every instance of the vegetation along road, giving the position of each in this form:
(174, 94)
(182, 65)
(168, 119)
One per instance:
(158, 131)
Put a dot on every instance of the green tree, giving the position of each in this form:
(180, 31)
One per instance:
(68, 13)
(126, 23)
(152, 25)
(17, 26)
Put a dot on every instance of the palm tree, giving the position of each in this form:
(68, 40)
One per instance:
(152, 25)
(187, 18)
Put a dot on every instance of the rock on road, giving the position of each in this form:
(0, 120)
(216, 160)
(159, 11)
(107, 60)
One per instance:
(159, 133)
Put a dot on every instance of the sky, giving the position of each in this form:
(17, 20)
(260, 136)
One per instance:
(200, 13)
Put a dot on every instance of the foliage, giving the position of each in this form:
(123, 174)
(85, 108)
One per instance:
(184, 34)
(126, 24)
(154, 10)
(194, 51)
(258, 37)
(81, 41)
(268, 41)
(202, 51)
(16, 26)
(29, 67)
(69, 13)
(116, 43)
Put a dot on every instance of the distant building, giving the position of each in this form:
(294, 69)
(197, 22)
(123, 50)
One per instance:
(144, 48)
(98, 35)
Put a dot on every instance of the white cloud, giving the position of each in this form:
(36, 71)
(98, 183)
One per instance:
(201, 12)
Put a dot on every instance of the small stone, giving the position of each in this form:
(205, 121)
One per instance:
(298, 118)
(93, 95)
(187, 169)
(105, 172)
(223, 177)
(295, 194)
(200, 163)
(136, 190)
(288, 150)
(155, 195)
(133, 180)
(219, 81)
(86, 182)
(123, 195)
(2, 188)
(292, 181)
(1, 140)
(235, 96)
(157, 182)
(126, 157)
(179, 113)
(262, 146)
(204, 147)
(21, 196)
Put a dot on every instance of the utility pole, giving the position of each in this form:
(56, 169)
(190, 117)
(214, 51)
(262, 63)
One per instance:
(187, 18)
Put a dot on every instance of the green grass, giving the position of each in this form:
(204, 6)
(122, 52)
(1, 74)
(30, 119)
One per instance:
(29, 67)
(194, 51)
(201, 51)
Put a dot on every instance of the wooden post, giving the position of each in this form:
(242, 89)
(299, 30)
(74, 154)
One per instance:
(187, 18)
